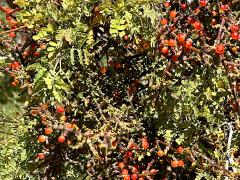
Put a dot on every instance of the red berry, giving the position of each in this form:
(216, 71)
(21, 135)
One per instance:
(203, 3)
(173, 14)
(234, 36)
(180, 149)
(197, 10)
(26, 53)
(60, 109)
(167, 4)
(128, 154)
(126, 38)
(234, 28)
(36, 54)
(188, 44)
(164, 21)
(8, 10)
(117, 65)
(12, 35)
(175, 58)
(180, 163)
(103, 70)
(174, 163)
(121, 165)
(48, 130)
(223, 7)
(220, 49)
(191, 20)
(124, 171)
(134, 176)
(41, 139)
(40, 156)
(127, 177)
(153, 171)
(197, 25)
(181, 37)
(184, 6)
(13, 22)
(134, 169)
(15, 65)
(8, 18)
(33, 46)
(13, 27)
(13, 84)
(61, 139)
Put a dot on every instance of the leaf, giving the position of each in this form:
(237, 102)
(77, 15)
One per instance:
(49, 81)
(208, 93)
(57, 95)
(90, 39)
(49, 49)
(60, 84)
(72, 56)
(39, 75)
(80, 57)
(49, 28)
(103, 60)
(51, 43)
(35, 66)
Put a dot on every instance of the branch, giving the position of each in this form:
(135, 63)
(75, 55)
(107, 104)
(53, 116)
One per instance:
(220, 31)
(231, 85)
(213, 164)
(228, 147)
(12, 30)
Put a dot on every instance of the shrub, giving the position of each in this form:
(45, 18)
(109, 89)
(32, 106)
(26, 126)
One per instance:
(113, 88)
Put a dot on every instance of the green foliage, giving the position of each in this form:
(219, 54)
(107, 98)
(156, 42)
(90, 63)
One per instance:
(102, 63)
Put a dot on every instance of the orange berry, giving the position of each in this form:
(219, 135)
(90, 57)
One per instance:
(181, 37)
(12, 35)
(180, 149)
(180, 163)
(145, 145)
(160, 153)
(48, 130)
(121, 165)
(42, 46)
(171, 42)
(68, 126)
(103, 70)
(173, 13)
(40, 156)
(124, 171)
(174, 163)
(41, 139)
(61, 139)
(164, 21)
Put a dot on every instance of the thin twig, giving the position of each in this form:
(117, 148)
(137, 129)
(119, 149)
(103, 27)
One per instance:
(228, 147)
(13, 30)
